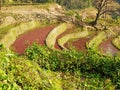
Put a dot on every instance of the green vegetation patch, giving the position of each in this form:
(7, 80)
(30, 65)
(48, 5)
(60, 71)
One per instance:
(91, 71)
(18, 73)
(21, 73)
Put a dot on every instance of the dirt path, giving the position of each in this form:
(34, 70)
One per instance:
(25, 40)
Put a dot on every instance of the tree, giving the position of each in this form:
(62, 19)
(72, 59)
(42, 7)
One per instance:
(103, 6)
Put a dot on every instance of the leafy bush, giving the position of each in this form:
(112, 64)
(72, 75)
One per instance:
(92, 63)
(53, 60)
(18, 73)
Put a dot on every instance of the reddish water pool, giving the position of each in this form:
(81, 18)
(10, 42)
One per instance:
(107, 47)
(25, 40)
(68, 31)
(39, 36)
(79, 44)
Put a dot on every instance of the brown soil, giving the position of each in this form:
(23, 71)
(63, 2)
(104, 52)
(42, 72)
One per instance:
(25, 40)
(79, 44)
(107, 47)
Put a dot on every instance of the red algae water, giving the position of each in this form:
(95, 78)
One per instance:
(26, 39)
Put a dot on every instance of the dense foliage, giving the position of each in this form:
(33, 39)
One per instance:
(90, 64)
(72, 70)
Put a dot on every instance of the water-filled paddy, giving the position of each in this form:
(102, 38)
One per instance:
(25, 40)
(39, 36)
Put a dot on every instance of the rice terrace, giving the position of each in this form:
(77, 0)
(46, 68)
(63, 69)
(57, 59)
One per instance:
(59, 44)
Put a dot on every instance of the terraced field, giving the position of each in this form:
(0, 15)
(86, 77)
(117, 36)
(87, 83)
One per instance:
(60, 37)
(63, 36)
(25, 40)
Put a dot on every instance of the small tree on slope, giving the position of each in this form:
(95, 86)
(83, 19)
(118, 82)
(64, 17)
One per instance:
(103, 6)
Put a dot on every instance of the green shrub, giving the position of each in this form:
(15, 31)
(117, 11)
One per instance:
(39, 54)
(18, 73)
(92, 62)
(70, 61)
